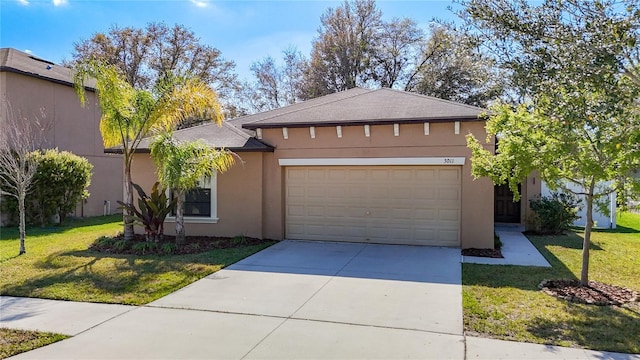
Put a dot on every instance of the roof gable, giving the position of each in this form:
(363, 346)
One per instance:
(362, 106)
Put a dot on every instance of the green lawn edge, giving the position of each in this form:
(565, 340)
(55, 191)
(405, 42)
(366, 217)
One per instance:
(58, 265)
(14, 342)
(504, 302)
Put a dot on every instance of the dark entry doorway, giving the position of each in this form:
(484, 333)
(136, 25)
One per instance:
(505, 210)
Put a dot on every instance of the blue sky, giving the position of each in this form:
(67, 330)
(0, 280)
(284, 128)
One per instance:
(244, 31)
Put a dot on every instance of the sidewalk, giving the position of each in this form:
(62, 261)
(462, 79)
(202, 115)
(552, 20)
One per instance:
(516, 249)
(95, 325)
(62, 317)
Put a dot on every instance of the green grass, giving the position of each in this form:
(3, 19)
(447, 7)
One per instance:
(58, 265)
(13, 342)
(504, 302)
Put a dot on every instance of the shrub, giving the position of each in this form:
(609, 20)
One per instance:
(497, 243)
(554, 214)
(151, 211)
(168, 248)
(59, 184)
(144, 247)
(239, 240)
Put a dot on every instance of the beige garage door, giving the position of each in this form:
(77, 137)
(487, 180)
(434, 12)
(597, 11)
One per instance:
(378, 204)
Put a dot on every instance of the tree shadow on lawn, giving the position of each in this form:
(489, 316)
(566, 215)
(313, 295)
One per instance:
(596, 327)
(570, 241)
(10, 258)
(109, 281)
(618, 230)
(606, 328)
(525, 277)
(12, 233)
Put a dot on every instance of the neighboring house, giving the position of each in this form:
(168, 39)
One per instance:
(37, 87)
(601, 219)
(379, 166)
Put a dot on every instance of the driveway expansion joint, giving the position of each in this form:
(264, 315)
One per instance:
(293, 317)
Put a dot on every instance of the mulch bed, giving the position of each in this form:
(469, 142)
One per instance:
(595, 294)
(489, 253)
(192, 245)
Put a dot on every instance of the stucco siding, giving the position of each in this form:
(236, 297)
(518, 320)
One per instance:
(239, 198)
(68, 126)
(477, 195)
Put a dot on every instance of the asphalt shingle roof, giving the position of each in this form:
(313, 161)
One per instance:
(12, 60)
(226, 136)
(362, 106)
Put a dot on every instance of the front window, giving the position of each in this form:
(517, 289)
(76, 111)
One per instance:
(200, 202)
(197, 202)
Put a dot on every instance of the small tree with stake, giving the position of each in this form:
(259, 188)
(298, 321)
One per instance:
(18, 137)
(575, 64)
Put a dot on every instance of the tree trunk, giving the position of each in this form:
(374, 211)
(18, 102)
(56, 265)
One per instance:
(584, 275)
(127, 197)
(180, 234)
(22, 226)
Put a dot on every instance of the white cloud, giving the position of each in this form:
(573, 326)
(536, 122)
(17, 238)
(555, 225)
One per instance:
(59, 2)
(28, 51)
(200, 3)
(23, 2)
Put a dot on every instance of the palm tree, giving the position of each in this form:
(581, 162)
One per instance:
(129, 114)
(180, 166)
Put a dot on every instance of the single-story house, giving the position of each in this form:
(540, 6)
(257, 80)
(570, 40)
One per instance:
(378, 166)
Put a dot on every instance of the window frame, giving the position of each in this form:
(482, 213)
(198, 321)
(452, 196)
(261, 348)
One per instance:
(213, 218)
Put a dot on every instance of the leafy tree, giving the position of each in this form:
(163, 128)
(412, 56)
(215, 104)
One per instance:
(557, 41)
(580, 123)
(276, 85)
(395, 52)
(182, 165)
(452, 67)
(341, 54)
(129, 115)
(145, 55)
(355, 47)
(19, 135)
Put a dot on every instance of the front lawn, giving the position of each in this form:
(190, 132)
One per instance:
(504, 302)
(13, 342)
(58, 265)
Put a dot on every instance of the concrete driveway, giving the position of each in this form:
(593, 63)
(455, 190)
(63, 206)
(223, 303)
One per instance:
(296, 300)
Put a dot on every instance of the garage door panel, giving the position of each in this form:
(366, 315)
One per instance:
(449, 174)
(337, 191)
(337, 174)
(319, 211)
(449, 215)
(381, 204)
(295, 210)
(296, 173)
(402, 192)
(379, 175)
(448, 237)
(356, 175)
(402, 175)
(448, 194)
